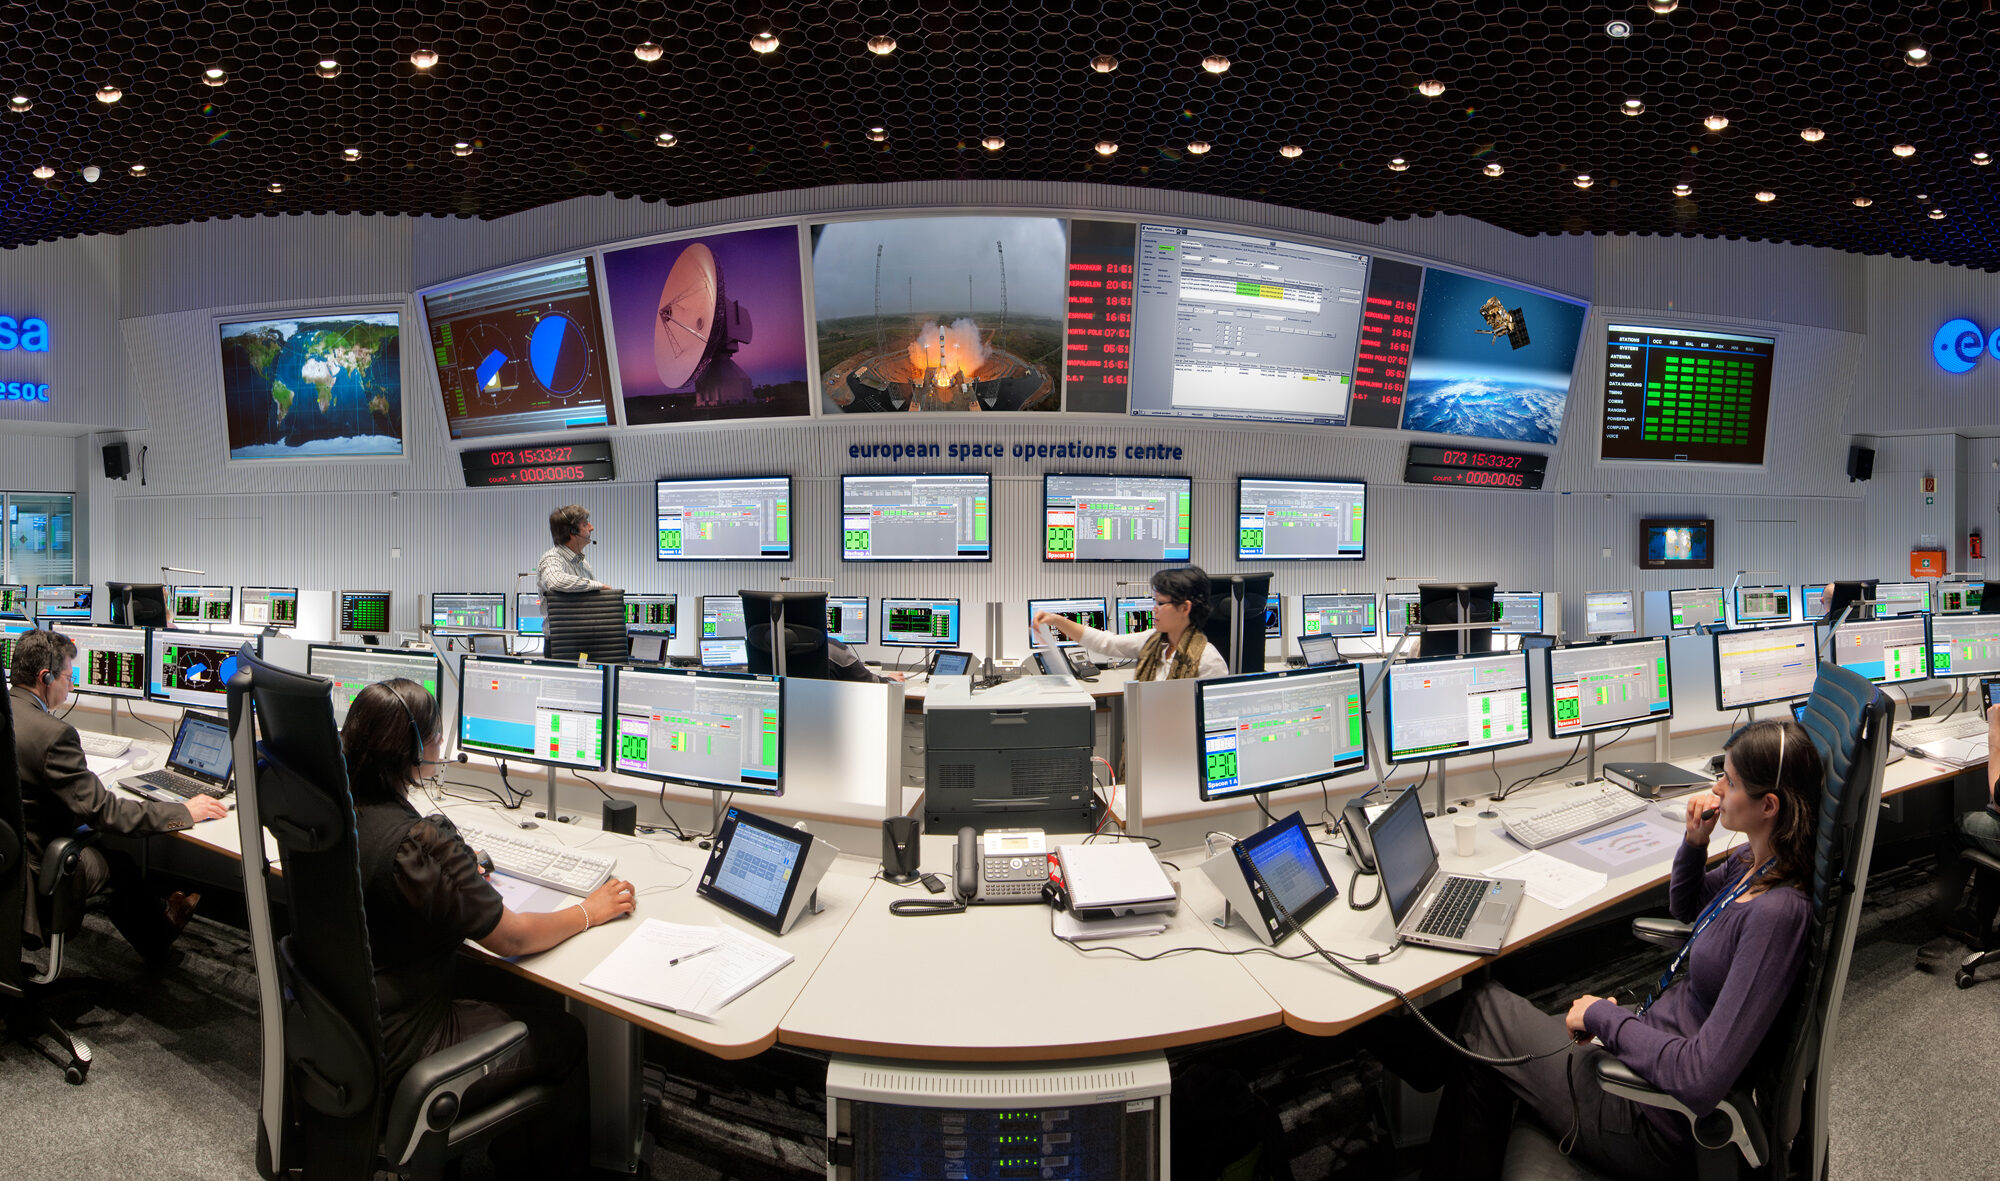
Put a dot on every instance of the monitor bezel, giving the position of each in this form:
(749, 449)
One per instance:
(725, 835)
(604, 683)
(992, 517)
(1715, 663)
(154, 635)
(1549, 686)
(617, 686)
(1188, 481)
(1821, 644)
(1201, 728)
(1238, 519)
(291, 590)
(957, 624)
(791, 513)
(1389, 710)
(389, 596)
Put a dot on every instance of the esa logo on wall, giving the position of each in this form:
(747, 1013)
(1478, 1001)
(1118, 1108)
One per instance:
(1957, 345)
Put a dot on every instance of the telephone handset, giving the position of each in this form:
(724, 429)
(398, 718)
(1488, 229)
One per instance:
(1004, 865)
(1354, 821)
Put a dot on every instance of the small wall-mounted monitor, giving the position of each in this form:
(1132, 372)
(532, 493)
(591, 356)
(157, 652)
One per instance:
(1116, 518)
(1301, 520)
(917, 518)
(1088, 612)
(268, 606)
(1595, 687)
(363, 613)
(1518, 612)
(1764, 664)
(1886, 651)
(1901, 598)
(530, 617)
(1132, 614)
(920, 623)
(1266, 731)
(1338, 615)
(1676, 543)
(534, 711)
(110, 661)
(651, 613)
(201, 604)
(468, 611)
(1448, 705)
(1960, 598)
(192, 669)
(1610, 613)
(748, 519)
(847, 619)
(1699, 606)
(721, 731)
(1763, 604)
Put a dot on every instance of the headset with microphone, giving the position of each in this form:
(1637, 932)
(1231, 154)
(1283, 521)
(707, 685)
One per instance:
(416, 739)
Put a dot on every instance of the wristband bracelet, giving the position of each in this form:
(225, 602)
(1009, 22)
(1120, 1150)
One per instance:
(586, 917)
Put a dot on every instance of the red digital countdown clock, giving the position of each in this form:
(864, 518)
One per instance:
(537, 463)
(1474, 467)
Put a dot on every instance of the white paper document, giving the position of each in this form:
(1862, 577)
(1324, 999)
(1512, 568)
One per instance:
(525, 897)
(103, 765)
(717, 965)
(1550, 880)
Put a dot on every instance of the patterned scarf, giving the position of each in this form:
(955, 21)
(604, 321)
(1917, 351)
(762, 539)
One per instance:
(1187, 660)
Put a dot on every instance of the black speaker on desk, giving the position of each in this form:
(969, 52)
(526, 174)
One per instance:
(621, 816)
(901, 848)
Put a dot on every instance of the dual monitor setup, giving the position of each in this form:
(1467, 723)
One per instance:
(170, 665)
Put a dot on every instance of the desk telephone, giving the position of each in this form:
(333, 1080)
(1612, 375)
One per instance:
(1004, 865)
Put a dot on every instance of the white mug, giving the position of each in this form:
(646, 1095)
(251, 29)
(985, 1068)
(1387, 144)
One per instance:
(1467, 828)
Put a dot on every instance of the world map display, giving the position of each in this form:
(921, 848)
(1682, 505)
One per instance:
(327, 387)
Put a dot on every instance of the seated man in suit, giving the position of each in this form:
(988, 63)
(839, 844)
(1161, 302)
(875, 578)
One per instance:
(59, 793)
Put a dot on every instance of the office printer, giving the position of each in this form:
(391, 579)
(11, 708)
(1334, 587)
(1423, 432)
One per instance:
(1016, 756)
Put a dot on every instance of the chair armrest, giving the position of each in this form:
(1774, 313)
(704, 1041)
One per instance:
(430, 1096)
(1670, 933)
(1733, 1122)
(1980, 858)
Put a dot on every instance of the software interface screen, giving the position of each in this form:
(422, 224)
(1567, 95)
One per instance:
(1274, 616)
(202, 604)
(725, 520)
(547, 713)
(269, 606)
(9, 633)
(15, 601)
(203, 746)
(1960, 598)
(1886, 651)
(521, 352)
(847, 619)
(1598, 686)
(650, 613)
(364, 611)
(724, 653)
(1279, 729)
(1398, 611)
(1965, 646)
(1237, 326)
(1696, 607)
(722, 617)
(1763, 604)
(469, 612)
(1300, 519)
(1134, 615)
(1337, 615)
(1287, 863)
(190, 668)
(939, 518)
(1459, 703)
(757, 867)
(1812, 601)
(920, 623)
(353, 669)
(1767, 664)
(1088, 612)
(109, 660)
(1609, 613)
(1902, 598)
(712, 731)
(1116, 518)
(62, 602)
(1517, 612)
(1677, 394)
(530, 619)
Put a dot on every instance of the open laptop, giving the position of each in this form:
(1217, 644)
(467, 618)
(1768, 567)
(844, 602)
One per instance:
(1457, 912)
(725, 654)
(648, 648)
(1318, 650)
(199, 763)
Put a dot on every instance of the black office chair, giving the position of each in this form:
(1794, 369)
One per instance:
(805, 632)
(1773, 1122)
(581, 623)
(329, 1109)
(1984, 941)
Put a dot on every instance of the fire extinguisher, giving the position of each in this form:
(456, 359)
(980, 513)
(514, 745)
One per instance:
(1973, 545)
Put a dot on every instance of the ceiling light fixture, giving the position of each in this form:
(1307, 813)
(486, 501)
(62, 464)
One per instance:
(1981, 159)
(881, 45)
(1766, 196)
(461, 148)
(1583, 180)
(648, 52)
(993, 143)
(1430, 88)
(1633, 106)
(90, 174)
(668, 139)
(1398, 164)
(1937, 215)
(1683, 190)
(44, 172)
(214, 76)
(765, 42)
(1715, 122)
(1291, 151)
(20, 102)
(1663, 7)
(1863, 202)
(1198, 147)
(878, 134)
(1215, 63)
(138, 170)
(423, 59)
(1104, 63)
(1618, 30)
(1106, 147)
(327, 68)
(108, 94)
(275, 187)
(1811, 135)
(351, 153)
(1493, 169)
(1904, 150)
(1916, 54)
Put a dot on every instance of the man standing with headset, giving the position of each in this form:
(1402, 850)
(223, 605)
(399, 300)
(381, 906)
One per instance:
(563, 566)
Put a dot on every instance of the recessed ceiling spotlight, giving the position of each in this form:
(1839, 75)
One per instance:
(1916, 54)
(648, 51)
(1618, 29)
(1215, 63)
(993, 143)
(327, 68)
(1291, 151)
(351, 153)
(1683, 190)
(275, 187)
(1981, 159)
(1715, 122)
(423, 59)
(1766, 196)
(668, 139)
(1811, 135)
(1937, 215)
(765, 42)
(1663, 7)
(878, 134)
(1493, 169)
(138, 170)
(1106, 147)
(20, 102)
(90, 174)
(1104, 63)
(44, 172)
(1904, 150)
(461, 148)
(1198, 147)
(881, 45)
(108, 94)
(1398, 164)
(1863, 202)
(1583, 180)
(1430, 88)
(214, 76)
(1633, 106)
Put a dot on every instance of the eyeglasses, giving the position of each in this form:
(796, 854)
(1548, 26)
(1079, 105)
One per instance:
(1159, 601)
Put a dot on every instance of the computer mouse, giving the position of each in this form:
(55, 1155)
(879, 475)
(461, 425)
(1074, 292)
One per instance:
(485, 862)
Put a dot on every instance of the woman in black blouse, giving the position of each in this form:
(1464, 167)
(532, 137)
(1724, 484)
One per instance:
(425, 896)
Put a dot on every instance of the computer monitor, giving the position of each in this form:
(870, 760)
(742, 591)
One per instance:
(1398, 611)
(847, 619)
(1301, 520)
(722, 617)
(138, 604)
(1850, 599)
(1116, 518)
(651, 613)
(1901, 598)
(110, 661)
(15, 602)
(10, 631)
(1676, 543)
(1965, 645)
(1274, 616)
(920, 623)
(1763, 604)
(724, 654)
(701, 729)
(1760, 665)
(1132, 614)
(536, 711)
(1338, 615)
(531, 618)
(468, 611)
(1518, 612)
(1088, 612)
(201, 604)
(1610, 613)
(1960, 598)
(353, 669)
(1886, 651)
(268, 606)
(1449, 705)
(917, 518)
(1698, 606)
(1265, 731)
(63, 601)
(363, 613)
(1605, 686)
(1457, 603)
(747, 519)
(192, 669)
(1812, 600)
(1321, 649)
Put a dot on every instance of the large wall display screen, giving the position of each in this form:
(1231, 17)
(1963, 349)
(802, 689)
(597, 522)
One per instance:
(940, 313)
(326, 386)
(1673, 394)
(710, 328)
(1490, 360)
(1231, 325)
(521, 352)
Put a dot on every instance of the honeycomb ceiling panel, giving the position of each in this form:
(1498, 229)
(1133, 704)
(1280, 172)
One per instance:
(1491, 109)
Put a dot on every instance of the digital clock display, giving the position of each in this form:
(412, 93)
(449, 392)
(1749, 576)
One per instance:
(1474, 467)
(537, 463)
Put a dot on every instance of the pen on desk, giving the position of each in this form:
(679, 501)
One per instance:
(690, 955)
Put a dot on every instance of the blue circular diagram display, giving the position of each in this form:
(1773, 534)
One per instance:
(559, 354)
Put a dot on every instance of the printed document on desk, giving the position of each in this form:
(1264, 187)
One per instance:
(718, 964)
(1551, 880)
(525, 897)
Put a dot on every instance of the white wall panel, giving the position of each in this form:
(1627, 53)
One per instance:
(73, 285)
(1760, 281)
(1901, 389)
(1896, 515)
(327, 258)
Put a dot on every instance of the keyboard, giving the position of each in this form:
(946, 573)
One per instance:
(104, 746)
(181, 785)
(541, 862)
(1451, 914)
(1560, 823)
(1929, 731)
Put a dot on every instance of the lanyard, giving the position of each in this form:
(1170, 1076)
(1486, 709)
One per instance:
(1708, 915)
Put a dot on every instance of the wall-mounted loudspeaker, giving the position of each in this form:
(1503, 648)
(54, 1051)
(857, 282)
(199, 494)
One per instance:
(117, 461)
(1860, 463)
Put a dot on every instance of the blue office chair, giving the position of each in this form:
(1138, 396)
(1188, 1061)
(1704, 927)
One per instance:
(1773, 1122)
(329, 1109)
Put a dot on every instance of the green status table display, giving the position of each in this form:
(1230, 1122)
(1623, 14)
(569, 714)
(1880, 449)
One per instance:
(1677, 395)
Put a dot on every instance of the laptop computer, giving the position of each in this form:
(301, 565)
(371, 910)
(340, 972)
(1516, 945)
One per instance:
(1457, 912)
(199, 763)
(1319, 650)
(648, 648)
(730, 654)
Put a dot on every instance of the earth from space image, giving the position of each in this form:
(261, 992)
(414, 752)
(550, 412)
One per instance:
(300, 388)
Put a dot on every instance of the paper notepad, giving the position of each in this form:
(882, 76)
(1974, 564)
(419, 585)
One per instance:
(718, 964)
(1550, 880)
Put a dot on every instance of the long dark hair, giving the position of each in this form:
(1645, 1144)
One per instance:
(1779, 757)
(1185, 584)
(384, 737)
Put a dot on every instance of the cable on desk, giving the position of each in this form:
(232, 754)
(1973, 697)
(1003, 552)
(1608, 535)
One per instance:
(518, 797)
(143, 722)
(679, 832)
(1575, 753)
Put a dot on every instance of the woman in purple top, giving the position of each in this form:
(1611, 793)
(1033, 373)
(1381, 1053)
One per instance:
(1696, 1036)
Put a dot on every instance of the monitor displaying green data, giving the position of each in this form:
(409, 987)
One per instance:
(1694, 607)
(1116, 518)
(1763, 604)
(1965, 645)
(469, 611)
(917, 518)
(715, 730)
(1448, 705)
(110, 661)
(1132, 614)
(1960, 598)
(533, 710)
(1604, 686)
(15, 601)
(1676, 394)
(746, 519)
(1088, 612)
(201, 604)
(353, 669)
(1338, 615)
(1301, 519)
(1265, 731)
(1901, 598)
(1886, 651)
(651, 613)
(268, 606)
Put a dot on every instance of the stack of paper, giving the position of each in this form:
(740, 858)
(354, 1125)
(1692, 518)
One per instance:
(693, 971)
(1551, 880)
